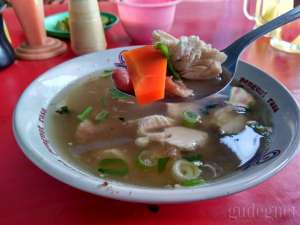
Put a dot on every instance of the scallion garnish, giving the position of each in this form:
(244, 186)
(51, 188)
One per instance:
(146, 159)
(183, 170)
(85, 113)
(101, 116)
(106, 73)
(113, 167)
(116, 94)
(162, 163)
(164, 50)
(192, 182)
(63, 110)
(190, 119)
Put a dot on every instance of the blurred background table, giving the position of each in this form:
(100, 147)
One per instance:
(30, 196)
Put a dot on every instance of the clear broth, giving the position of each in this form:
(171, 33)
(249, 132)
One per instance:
(226, 153)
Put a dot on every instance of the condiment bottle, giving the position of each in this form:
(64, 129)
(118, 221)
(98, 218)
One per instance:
(7, 55)
(87, 34)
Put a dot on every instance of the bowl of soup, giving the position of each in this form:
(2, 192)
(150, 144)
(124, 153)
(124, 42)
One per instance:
(76, 126)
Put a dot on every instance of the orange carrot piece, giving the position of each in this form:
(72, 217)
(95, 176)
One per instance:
(147, 69)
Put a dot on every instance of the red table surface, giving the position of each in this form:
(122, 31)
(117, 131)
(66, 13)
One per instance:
(29, 196)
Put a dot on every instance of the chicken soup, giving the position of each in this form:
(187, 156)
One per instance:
(106, 133)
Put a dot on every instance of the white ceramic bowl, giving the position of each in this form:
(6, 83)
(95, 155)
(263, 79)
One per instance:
(30, 129)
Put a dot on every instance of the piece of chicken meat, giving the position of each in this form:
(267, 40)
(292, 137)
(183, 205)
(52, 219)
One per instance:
(162, 129)
(177, 88)
(192, 58)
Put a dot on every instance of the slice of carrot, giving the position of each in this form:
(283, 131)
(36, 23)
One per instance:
(147, 69)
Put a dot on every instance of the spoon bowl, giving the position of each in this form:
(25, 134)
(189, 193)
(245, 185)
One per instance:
(204, 88)
(234, 50)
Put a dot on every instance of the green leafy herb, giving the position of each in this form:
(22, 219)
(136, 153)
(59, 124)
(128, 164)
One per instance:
(162, 163)
(113, 167)
(101, 116)
(193, 182)
(85, 113)
(63, 110)
(164, 50)
(190, 119)
(116, 94)
(106, 73)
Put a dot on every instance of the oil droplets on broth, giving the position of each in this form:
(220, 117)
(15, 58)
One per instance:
(104, 132)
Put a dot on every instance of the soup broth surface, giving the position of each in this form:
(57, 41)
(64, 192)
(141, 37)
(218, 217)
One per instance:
(111, 131)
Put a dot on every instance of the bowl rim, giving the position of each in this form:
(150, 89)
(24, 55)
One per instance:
(149, 5)
(147, 194)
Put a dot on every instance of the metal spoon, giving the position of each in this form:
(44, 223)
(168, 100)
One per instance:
(233, 51)
(205, 88)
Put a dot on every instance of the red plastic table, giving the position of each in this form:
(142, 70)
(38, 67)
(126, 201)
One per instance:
(29, 196)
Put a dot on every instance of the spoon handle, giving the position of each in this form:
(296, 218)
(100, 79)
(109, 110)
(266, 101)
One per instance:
(234, 50)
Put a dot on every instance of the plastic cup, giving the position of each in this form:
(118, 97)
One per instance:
(141, 17)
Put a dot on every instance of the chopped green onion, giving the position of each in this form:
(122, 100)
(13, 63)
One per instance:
(164, 50)
(101, 116)
(146, 159)
(162, 163)
(172, 70)
(116, 94)
(113, 167)
(183, 170)
(85, 113)
(192, 182)
(106, 73)
(190, 119)
(63, 110)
